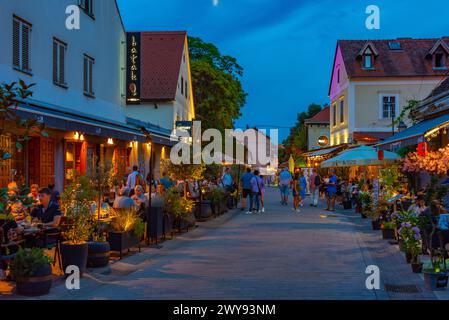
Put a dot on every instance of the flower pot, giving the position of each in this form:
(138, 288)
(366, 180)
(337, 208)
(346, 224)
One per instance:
(375, 224)
(408, 257)
(99, 254)
(76, 255)
(37, 285)
(205, 210)
(435, 281)
(416, 267)
(120, 241)
(388, 234)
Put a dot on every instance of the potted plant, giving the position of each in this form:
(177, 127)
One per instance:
(127, 230)
(31, 269)
(388, 230)
(99, 250)
(76, 203)
(435, 274)
(179, 207)
(216, 196)
(411, 236)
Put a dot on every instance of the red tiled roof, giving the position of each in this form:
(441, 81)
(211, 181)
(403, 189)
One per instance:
(161, 56)
(371, 136)
(322, 117)
(413, 59)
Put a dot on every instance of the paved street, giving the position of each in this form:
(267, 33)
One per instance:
(276, 255)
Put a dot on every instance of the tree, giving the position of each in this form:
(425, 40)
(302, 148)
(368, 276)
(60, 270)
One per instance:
(11, 97)
(217, 90)
(296, 142)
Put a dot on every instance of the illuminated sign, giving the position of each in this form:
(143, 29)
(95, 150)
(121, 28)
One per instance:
(323, 141)
(133, 68)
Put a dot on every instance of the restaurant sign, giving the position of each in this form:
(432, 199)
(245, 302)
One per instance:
(133, 68)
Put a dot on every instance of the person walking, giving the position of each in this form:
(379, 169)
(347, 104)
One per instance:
(285, 178)
(254, 205)
(315, 183)
(331, 191)
(302, 188)
(245, 181)
(262, 193)
(295, 192)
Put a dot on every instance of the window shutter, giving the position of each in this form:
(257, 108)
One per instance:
(85, 74)
(25, 47)
(16, 43)
(61, 64)
(91, 87)
(55, 61)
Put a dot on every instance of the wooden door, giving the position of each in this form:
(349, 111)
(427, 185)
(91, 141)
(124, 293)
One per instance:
(34, 166)
(5, 166)
(47, 161)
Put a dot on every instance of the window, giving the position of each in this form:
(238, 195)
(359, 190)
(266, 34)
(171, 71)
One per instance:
(59, 53)
(342, 111)
(368, 59)
(87, 6)
(334, 115)
(88, 76)
(21, 45)
(388, 106)
(440, 62)
(182, 85)
(186, 90)
(338, 76)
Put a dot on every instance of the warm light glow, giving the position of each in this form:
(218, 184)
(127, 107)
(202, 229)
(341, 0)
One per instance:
(110, 141)
(76, 136)
(82, 137)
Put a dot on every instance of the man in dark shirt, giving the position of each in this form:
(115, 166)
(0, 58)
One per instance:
(48, 211)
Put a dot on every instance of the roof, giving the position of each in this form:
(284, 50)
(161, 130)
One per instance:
(443, 87)
(161, 56)
(322, 117)
(371, 137)
(413, 59)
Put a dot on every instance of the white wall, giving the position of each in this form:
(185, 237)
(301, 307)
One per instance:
(100, 38)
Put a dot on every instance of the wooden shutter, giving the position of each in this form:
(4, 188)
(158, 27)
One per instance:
(85, 74)
(47, 161)
(55, 61)
(61, 64)
(25, 47)
(16, 43)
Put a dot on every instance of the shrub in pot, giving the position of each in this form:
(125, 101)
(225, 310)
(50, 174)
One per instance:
(99, 250)
(216, 196)
(32, 271)
(127, 229)
(388, 230)
(435, 275)
(180, 207)
(76, 203)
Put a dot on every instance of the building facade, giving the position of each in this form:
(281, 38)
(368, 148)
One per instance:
(318, 130)
(372, 81)
(79, 93)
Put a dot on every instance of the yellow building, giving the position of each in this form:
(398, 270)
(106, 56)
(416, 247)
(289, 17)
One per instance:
(372, 81)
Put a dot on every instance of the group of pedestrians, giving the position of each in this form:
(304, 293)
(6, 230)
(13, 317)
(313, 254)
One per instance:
(253, 186)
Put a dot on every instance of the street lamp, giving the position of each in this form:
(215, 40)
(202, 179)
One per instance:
(402, 126)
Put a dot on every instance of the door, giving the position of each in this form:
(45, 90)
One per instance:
(5, 166)
(34, 166)
(47, 162)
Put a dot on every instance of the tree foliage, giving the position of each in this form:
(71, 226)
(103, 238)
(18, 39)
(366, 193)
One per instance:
(296, 142)
(217, 89)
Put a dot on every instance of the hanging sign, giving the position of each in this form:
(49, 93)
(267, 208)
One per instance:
(133, 68)
(380, 155)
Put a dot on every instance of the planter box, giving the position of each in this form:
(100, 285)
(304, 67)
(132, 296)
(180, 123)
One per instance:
(435, 281)
(168, 225)
(75, 255)
(120, 241)
(99, 254)
(416, 267)
(375, 224)
(155, 224)
(205, 210)
(388, 234)
(37, 285)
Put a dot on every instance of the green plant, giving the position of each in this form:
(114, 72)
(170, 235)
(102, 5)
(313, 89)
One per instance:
(76, 202)
(411, 236)
(435, 265)
(178, 206)
(126, 220)
(389, 225)
(216, 195)
(28, 261)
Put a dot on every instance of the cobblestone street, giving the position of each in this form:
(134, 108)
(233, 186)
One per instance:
(276, 255)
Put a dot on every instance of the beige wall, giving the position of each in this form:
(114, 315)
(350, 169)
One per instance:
(314, 132)
(339, 131)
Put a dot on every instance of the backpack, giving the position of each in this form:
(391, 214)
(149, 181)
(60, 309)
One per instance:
(317, 181)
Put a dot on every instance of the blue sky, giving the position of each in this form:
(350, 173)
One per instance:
(285, 46)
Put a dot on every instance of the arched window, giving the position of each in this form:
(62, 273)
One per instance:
(368, 59)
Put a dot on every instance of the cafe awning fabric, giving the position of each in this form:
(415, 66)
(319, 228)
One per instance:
(321, 152)
(415, 134)
(361, 156)
(65, 120)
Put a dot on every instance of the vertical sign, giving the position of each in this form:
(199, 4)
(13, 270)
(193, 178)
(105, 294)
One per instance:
(133, 68)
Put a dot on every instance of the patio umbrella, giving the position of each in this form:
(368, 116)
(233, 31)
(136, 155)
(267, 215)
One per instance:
(361, 156)
(291, 164)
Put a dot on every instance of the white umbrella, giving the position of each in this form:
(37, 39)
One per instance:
(361, 156)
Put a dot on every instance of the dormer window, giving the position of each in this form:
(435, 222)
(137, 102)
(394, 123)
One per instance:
(439, 61)
(368, 59)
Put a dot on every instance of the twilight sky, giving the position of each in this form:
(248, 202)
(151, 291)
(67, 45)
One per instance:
(285, 46)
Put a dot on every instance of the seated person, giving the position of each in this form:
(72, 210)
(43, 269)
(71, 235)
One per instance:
(18, 211)
(8, 234)
(48, 211)
(123, 201)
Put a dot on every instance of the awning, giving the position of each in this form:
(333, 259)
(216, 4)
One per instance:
(415, 134)
(157, 134)
(67, 121)
(361, 156)
(321, 152)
